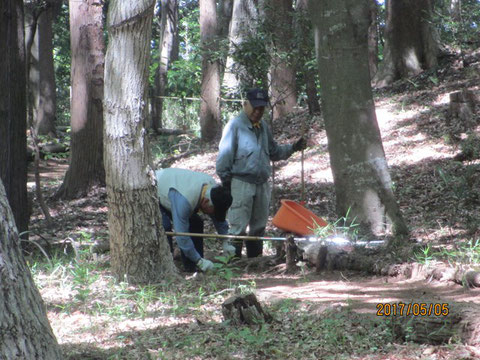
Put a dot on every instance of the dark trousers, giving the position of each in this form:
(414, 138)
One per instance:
(254, 247)
(196, 226)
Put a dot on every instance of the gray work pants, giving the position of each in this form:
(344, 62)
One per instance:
(249, 210)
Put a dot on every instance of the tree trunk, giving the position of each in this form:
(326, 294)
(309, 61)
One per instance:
(42, 87)
(306, 44)
(210, 121)
(139, 247)
(362, 182)
(13, 138)
(243, 24)
(168, 49)
(24, 327)
(86, 168)
(283, 92)
(410, 45)
(373, 39)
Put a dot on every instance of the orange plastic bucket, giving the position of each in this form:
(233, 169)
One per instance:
(293, 217)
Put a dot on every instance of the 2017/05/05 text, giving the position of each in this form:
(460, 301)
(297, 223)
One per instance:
(415, 309)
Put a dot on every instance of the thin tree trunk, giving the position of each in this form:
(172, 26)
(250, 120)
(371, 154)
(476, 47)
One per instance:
(41, 74)
(168, 49)
(139, 247)
(362, 181)
(210, 121)
(86, 169)
(306, 43)
(282, 68)
(242, 25)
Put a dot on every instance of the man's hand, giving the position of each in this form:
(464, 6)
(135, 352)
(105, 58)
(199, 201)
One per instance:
(228, 249)
(300, 144)
(204, 265)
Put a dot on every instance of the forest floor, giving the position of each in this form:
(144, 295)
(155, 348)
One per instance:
(329, 315)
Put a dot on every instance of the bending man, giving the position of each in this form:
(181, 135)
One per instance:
(182, 194)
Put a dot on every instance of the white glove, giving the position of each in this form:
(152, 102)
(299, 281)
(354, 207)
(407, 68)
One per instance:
(228, 249)
(204, 264)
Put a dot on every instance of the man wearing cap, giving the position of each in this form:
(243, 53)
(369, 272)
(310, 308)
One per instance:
(182, 193)
(243, 164)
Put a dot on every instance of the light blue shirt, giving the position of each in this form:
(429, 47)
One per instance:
(245, 152)
(181, 213)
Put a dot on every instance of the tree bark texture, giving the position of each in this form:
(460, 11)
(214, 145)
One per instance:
(305, 44)
(86, 169)
(210, 121)
(373, 39)
(410, 45)
(13, 122)
(139, 248)
(283, 91)
(242, 25)
(41, 84)
(25, 332)
(168, 49)
(360, 172)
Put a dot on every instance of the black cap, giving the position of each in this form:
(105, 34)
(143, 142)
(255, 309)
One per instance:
(257, 97)
(221, 199)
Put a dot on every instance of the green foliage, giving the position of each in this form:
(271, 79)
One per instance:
(462, 33)
(184, 77)
(424, 256)
(223, 269)
(344, 226)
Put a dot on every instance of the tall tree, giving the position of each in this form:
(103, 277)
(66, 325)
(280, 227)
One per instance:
(86, 169)
(360, 171)
(305, 44)
(168, 50)
(24, 326)
(39, 17)
(210, 121)
(139, 248)
(282, 65)
(373, 39)
(13, 122)
(243, 25)
(410, 45)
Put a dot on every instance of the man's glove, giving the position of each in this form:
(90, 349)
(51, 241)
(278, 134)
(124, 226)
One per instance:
(300, 144)
(204, 265)
(228, 249)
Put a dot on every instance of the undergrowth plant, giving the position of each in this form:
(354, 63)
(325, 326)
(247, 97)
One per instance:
(345, 226)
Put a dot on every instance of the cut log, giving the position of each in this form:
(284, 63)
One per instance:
(244, 309)
(453, 321)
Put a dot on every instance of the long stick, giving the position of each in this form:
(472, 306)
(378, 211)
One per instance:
(302, 159)
(239, 237)
(262, 238)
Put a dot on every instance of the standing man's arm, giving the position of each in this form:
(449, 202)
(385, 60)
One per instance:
(278, 152)
(181, 212)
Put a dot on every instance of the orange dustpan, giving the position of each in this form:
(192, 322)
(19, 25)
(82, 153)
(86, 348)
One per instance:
(293, 217)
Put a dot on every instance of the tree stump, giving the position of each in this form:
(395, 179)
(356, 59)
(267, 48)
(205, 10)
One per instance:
(462, 109)
(244, 309)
